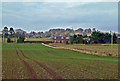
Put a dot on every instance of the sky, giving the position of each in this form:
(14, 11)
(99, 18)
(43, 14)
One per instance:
(42, 16)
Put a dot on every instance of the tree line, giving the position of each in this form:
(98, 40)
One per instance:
(11, 34)
(95, 38)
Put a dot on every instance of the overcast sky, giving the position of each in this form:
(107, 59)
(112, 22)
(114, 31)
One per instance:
(42, 16)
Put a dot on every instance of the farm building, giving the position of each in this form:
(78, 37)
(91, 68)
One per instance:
(61, 39)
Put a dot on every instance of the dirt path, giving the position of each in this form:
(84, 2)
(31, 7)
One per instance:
(31, 72)
(52, 46)
(49, 70)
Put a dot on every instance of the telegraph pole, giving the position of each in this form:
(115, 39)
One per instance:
(111, 39)
(1, 40)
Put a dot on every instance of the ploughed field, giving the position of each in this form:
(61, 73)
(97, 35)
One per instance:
(35, 61)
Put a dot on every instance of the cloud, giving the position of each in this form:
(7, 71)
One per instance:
(30, 4)
(0, 15)
(60, 0)
(45, 15)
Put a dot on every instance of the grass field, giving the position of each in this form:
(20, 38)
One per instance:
(35, 61)
(38, 39)
(98, 49)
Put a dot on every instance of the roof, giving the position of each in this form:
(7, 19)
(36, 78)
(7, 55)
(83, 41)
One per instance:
(118, 35)
(59, 37)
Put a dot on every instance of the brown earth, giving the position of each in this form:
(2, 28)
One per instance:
(46, 68)
(31, 72)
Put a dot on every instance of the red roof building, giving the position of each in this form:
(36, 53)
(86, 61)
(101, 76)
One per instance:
(61, 39)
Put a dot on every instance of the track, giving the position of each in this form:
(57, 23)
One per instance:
(32, 74)
(47, 69)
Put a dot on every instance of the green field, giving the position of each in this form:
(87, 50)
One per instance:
(99, 49)
(38, 39)
(35, 61)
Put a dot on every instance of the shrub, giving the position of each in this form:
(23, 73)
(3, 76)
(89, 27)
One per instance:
(8, 40)
(20, 40)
